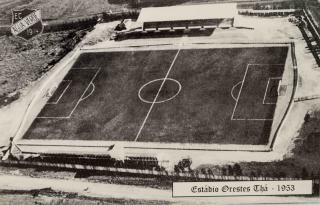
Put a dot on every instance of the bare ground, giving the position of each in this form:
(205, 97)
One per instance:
(66, 199)
(305, 154)
(23, 62)
(53, 9)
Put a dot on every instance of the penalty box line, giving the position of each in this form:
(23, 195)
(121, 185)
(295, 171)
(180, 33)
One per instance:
(265, 92)
(61, 95)
(155, 98)
(81, 98)
(238, 97)
(78, 102)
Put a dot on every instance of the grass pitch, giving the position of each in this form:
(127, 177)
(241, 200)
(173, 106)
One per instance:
(217, 95)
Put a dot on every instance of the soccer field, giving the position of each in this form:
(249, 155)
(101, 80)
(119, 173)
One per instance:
(182, 95)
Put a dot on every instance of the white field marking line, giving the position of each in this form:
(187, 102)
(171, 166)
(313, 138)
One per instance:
(250, 119)
(265, 92)
(231, 92)
(65, 89)
(162, 101)
(53, 117)
(244, 77)
(93, 88)
(75, 107)
(253, 119)
(279, 85)
(81, 97)
(264, 64)
(91, 68)
(155, 99)
(70, 81)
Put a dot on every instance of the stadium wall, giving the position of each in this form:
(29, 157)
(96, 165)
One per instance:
(206, 23)
(83, 146)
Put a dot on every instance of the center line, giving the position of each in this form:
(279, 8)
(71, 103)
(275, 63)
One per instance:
(155, 99)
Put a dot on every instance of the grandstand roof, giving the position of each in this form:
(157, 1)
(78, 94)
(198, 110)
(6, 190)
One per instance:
(188, 12)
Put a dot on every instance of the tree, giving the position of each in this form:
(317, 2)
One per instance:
(312, 175)
(134, 3)
(176, 169)
(210, 172)
(230, 170)
(282, 175)
(318, 174)
(267, 174)
(224, 171)
(304, 173)
(185, 164)
(307, 117)
(259, 173)
(203, 171)
(196, 173)
(252, 174)
(237, 169)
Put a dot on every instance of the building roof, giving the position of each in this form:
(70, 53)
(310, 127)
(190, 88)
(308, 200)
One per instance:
(188, 12)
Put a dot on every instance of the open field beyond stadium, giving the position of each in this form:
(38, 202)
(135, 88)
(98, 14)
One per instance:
(206, 96)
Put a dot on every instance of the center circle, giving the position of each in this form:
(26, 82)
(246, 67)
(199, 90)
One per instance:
(169, 90)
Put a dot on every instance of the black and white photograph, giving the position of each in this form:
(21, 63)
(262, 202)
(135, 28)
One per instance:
(151, 102)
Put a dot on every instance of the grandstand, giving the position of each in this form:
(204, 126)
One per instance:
(187, 17)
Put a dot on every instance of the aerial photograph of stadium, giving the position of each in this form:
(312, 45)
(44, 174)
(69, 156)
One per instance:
(159, 102)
